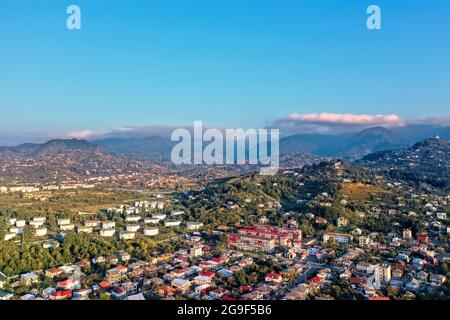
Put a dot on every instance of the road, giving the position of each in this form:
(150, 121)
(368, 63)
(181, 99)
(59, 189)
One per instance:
(312, 268)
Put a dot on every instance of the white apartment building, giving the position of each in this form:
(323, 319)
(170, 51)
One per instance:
(107, 232)
(151, 231)
(127, 235)
(133, 227)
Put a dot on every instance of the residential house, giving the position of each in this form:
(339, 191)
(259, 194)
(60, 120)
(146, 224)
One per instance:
(151, 231)
(127, 235)
(437, 279)
(107, 232)
(337, 237)
(69, 284)
(53, 272)
(124, 256)
(29, 278)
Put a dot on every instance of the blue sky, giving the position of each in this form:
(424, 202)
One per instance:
(233, 63)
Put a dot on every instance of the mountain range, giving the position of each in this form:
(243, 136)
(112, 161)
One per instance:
(354, 146)
(152, 154)
(348, 146)
(66, 159)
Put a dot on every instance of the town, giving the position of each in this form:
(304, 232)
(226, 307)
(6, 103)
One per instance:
(326, 237)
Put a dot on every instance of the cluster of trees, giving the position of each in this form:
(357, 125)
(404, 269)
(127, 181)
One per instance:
(16, 259)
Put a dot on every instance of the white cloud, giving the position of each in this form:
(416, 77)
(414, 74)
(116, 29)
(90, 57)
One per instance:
(334, 122)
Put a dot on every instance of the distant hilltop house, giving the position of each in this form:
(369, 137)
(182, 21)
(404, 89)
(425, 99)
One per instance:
(176, 213)
(108, 232)
(108, 224)
(63, 221)
(132, 218)
(159, 216)
(194, 225)
(151, 220)
(172, 223)
(126, 235)
(151, 231)
(84, 229)
(23, 189)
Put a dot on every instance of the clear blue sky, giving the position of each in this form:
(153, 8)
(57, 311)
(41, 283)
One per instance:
(226, 62)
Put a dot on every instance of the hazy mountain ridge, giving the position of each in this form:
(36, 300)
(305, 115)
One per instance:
(351, 147)
(70, 158)
(426, 162)
(153, 148)
(66, 159)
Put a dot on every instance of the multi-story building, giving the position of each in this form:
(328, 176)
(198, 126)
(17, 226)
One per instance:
(194, 225)
(196, 251)
(407, 234)
(108, 224)
(84, 229)
(151, 231)
(67, 227)
(91, 223)
(171, 223)
(40, 232)
(342, 222)
(63, 221)
(127, 235)
(365, 241)
(133, 227)
(107, 232)
(251, 243)
(294, 235)
(337, 237)
(115, 274)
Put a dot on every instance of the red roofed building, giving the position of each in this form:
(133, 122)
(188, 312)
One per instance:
(276, 277)
(355, 280)
(379, 298)
(69, 284)
(53, 272)
(321, 220)
(113, 259)
(61, 295)
(249, 242)
(245, 288)
(208, 274)
(122, 269)
(205, 264)
(423, 237)
(315, 279)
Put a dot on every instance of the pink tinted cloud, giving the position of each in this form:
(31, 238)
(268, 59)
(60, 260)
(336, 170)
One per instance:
(348, 119)
(83, 134)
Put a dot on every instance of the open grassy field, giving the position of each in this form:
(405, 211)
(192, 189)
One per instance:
(361, 192)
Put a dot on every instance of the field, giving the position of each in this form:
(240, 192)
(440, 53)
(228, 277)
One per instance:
(362, 192)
